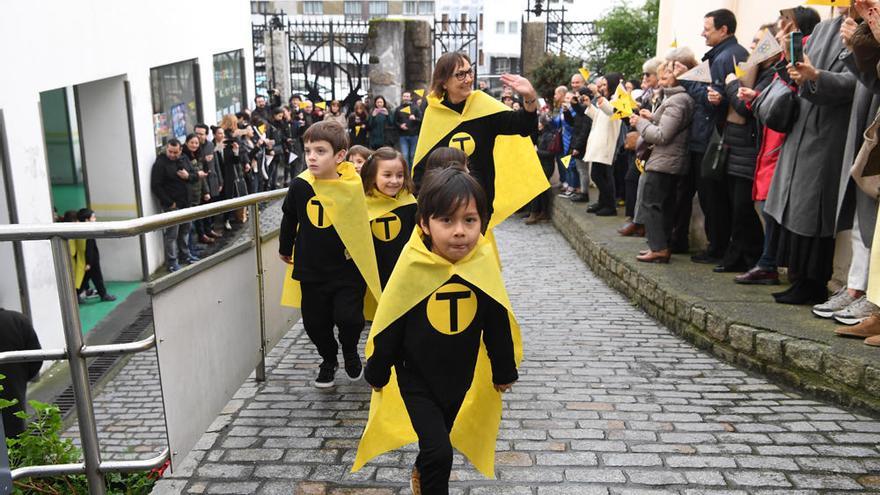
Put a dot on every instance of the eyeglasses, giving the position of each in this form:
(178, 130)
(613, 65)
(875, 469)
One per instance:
(462, 75)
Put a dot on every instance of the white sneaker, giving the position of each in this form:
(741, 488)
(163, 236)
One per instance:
(837, 302)
(856, 312)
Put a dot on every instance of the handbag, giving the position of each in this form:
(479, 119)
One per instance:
(866, 167)
(555, 146)
(777, 107)
(714, 165)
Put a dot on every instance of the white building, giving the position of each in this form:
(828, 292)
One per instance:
(92, 87)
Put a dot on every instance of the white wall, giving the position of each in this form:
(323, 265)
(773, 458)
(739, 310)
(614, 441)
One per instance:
(84, 41)
(106, 141)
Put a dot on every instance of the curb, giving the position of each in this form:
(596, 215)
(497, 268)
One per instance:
(808, 366)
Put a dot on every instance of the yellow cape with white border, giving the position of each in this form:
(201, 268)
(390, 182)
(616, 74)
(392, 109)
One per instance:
(345, 205)
(519, 177)
(418, 274)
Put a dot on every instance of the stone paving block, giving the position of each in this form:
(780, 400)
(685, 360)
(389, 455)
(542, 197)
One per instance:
(757, 478)
(804, 354)
(768, 346)
(742, 338)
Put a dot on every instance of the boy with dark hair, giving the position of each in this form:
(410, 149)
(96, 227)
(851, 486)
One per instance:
(326, 238)
(444, 344)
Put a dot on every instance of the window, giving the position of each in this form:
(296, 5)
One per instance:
(378, 8)
(426, 8)
(259, 7)
(513, 27)
(410, 8)
(313, 8)
(499, 27)
(500, 65)
(228, 85)
(175, 106)
(354, 9)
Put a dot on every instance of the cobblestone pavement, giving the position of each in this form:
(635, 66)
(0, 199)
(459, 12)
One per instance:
(608, 402)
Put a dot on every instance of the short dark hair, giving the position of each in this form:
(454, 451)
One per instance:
(359, 150)
(371, 168)
(201, 125)
(330, 131)
(445, 157)
(723, 17)
(806, 18)
(70, 216)
(258, 97)
(173, 142)
(84, 214)
(277, 110)
(446, 190)
(444, 68)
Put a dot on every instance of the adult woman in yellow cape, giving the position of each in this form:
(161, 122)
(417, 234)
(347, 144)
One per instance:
(345, 206)
(501, 155)
(418, 274)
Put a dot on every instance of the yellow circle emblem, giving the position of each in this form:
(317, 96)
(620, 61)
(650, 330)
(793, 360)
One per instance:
(452, 308)
(463, 141)
(386, 228)
(317, 214)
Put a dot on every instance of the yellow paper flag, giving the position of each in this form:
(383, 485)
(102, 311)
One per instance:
(830, 3)
(405, 110)
(420, 92)
(674, 43)
(566, 160)
(303, 105)
(321, 104)
(585, 74)
(623, 95)
(622, 109)
(739, 71)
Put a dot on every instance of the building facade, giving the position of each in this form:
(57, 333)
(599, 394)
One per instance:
(84, 113)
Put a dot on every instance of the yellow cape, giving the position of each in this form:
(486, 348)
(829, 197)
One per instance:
(78, 260)
(379, 204)
(417, 275)
(346, 207)
(518, 173)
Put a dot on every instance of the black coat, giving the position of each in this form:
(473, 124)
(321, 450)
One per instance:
(580, 129)
(744, 140)
(16, 334)
(167, 186)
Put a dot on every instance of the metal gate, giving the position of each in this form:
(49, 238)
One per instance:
(461, 35)
(328, 58)
(570, 38)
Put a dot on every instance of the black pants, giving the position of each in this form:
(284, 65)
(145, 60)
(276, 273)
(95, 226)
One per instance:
(337, 303)
(715, 202)
(658, 199)
(541, 203)
(621, 167)
(603, 176)
(746, 234)
(631, 185)
(685, 189)
(432, 419)
(94, 274)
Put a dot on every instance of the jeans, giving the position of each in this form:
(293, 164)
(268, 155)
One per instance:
(768, 256)
(176, 240)
(408, 148)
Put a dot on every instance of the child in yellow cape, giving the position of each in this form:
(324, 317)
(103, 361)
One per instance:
(325, 237)
(444, 343)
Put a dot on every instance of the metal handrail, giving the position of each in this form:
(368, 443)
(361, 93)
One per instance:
(80, 467)
(133, 227)
(76, 352)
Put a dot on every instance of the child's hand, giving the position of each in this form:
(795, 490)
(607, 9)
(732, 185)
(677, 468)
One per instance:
(503, 387)
(286, 259)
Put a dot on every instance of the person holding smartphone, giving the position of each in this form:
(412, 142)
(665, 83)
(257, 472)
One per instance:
(804, 193)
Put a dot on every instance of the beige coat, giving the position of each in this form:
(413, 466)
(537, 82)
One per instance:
(602, 142)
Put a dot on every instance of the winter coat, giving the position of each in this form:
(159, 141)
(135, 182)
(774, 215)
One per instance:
(604, 134)
(357, 129)
(744, 140)
(668, 132)
(339, 117)
(580, 129)
(803, 194)
(706, 115)
(167, 186)
(215, 178)
(378, 125)
(862, 62)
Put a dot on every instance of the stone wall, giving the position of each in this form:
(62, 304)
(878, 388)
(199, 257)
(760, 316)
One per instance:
(419, 62)
(534, 35)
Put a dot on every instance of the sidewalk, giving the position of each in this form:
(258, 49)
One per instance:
(740, 324)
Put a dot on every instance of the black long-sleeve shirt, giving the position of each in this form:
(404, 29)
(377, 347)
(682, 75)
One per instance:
(444, 359)
(16, 334)
(391, 232)
(306, 232)
(483, 132)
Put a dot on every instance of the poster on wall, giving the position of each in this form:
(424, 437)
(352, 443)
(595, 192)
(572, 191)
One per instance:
(178, 121)
(160, 128)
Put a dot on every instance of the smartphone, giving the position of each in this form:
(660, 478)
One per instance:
(796, 47)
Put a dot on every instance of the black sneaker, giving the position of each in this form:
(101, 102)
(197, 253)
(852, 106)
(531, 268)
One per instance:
(326, 377)
(353, 367)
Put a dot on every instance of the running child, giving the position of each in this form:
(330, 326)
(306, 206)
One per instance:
(444, 344)
(325, 236)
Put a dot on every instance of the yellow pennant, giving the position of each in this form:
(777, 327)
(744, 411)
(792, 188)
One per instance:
(406, 110)
(739, 71)
(321, 104)
(303, 105)
(565, 160)
(420, 92)
(674, 43)
(419, 273)
(585, 74)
